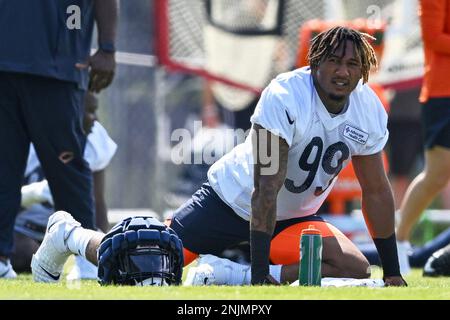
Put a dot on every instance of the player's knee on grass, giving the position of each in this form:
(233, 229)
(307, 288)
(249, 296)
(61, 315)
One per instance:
(346, 268)
(343, 261)
(356, 268)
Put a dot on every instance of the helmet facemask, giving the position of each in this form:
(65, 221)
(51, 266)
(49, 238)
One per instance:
(146, 266)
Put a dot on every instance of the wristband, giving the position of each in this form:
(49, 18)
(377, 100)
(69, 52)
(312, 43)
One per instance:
(387, 250)
(108, 47)
(259, 251)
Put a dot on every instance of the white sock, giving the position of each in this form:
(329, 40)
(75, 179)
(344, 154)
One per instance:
(79, 239)
(405, 244)
(275, 272)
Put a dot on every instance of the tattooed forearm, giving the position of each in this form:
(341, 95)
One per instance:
(267, 186)
(263, 212)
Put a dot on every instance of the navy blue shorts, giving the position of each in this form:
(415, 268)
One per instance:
(436, 121)
(207, 225)
(32, 222)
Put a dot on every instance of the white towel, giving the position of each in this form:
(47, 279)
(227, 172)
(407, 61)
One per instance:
(348, 282)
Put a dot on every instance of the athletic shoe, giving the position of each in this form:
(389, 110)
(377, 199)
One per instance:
(404, 250)
(200, 276)
(48, 262)
(438, 264)
(82, 269)
(6, 270)
(212, 270)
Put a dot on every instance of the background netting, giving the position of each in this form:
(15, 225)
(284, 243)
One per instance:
(186, 21)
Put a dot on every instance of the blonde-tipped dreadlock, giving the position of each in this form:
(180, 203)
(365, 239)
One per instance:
(326, 43)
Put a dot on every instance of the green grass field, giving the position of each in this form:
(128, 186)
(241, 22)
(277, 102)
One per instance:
(419, 288)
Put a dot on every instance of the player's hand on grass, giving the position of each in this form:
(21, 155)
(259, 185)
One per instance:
(395, 281)
(268, 280)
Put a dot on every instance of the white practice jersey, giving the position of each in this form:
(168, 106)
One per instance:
(99, 150)
(320, 145)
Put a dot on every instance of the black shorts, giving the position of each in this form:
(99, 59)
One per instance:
(436, 122)
(207, 225)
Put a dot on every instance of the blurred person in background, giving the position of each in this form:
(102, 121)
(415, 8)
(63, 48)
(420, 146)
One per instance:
(405, 141)
(45, 70)
(37, 203)
(433, 256)
(435, 99)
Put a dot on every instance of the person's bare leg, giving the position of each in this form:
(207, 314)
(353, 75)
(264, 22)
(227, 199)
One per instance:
(399, 186)
(91, 249)
(445, 196)
(424, 188)
(340, 259)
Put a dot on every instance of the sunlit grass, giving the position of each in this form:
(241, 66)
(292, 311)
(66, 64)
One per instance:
(419, 288)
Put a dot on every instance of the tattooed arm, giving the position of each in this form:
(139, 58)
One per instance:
(268, 178)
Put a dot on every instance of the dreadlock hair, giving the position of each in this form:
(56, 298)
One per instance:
(326, 43)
